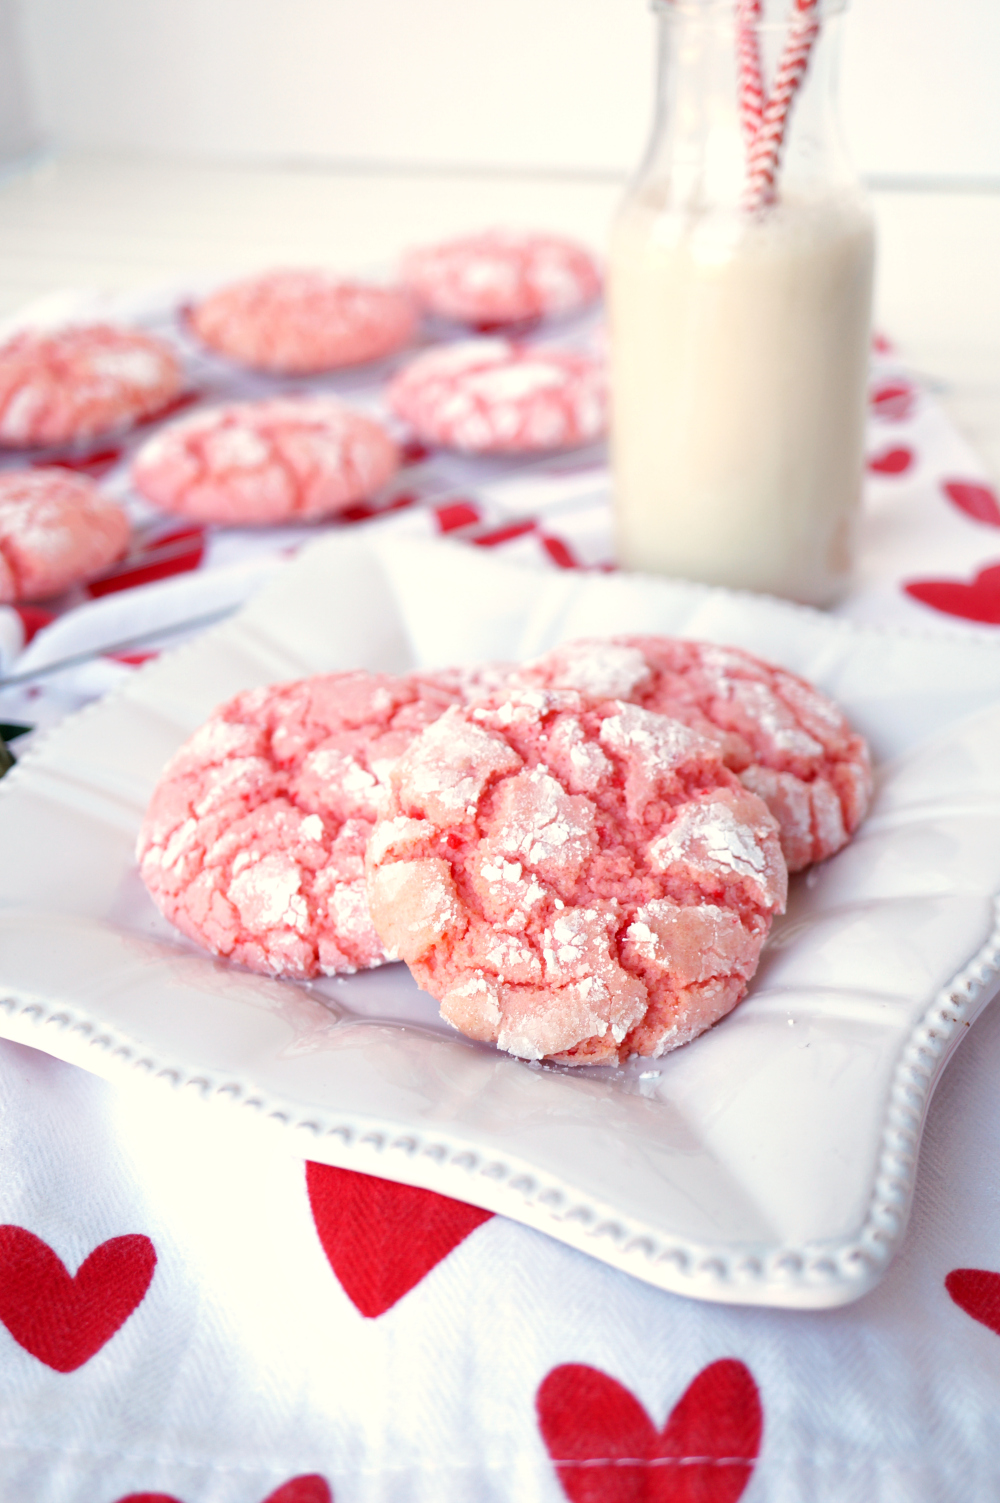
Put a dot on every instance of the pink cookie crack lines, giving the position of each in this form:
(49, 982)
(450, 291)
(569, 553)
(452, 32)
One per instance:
(55, 529)
(277, 460)
(302, 321)
(78, 382)
(253, 843)
(499, 277)
(574, 878)
(489, 396)
(787, 742)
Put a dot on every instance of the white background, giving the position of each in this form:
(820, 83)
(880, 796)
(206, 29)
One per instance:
(544, 84)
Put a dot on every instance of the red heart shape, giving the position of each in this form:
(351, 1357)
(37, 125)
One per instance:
(978, 601)
(363, 511)
(559, 552)
(382, 1238)
(61, 1319)
(451, 515)
(976, 501)
(891, 462)
(977, 1292)
(607, 1450)
(505, 533)
(306, 1489)
(893, 401)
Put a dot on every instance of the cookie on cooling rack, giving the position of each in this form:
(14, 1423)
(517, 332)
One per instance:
(302, 322)
(503, 277)
(489, 396)
(80, 382)
(56, 529)
(279, 460)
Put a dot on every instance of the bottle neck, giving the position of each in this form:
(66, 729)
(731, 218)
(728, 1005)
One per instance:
(723, 135)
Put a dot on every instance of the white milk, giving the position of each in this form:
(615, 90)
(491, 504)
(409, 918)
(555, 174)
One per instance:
(739, 353)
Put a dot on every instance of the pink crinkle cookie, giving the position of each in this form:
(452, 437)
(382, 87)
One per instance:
(488, 396)
(253, 843)
(499, 277)
(787, 742)
(283, 459)
(298, 323)
(56, 530)
(573, 878)
(80, 382)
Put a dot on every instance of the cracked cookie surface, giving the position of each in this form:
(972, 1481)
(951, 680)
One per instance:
(573, 878)
(56, 529)
(283, 459)
(301, 321)
(500, 276)
(253, 842)
(489, 396)
(79, 382)
(786, 741)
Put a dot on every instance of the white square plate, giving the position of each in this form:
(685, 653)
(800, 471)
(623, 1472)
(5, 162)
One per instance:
(770, 1162)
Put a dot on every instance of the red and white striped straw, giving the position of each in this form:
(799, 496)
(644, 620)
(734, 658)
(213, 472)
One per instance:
(751, 82)
(764, 152)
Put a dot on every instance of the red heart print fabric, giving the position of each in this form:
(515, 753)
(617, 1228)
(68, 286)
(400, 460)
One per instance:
(178, 551)
(979, 600)
(977, 1292)
(977, 501)
(891, 461)
(382, 1238)
(61, 1318)
(893, 401)
(606, 1449)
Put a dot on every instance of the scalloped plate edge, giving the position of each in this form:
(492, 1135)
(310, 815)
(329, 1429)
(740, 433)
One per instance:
(811, 1276)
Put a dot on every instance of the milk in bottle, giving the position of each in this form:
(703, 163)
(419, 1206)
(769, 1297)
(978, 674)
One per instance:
(739, 327)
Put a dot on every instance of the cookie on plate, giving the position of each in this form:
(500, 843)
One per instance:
(56, 529)
(79, 382)
(573, 878)
(501, 277)
(302, 322)
(282, 459)
(489, 396)
(789, 743)
(253, 843)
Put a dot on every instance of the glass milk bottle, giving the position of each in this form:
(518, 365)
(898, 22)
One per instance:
(740, 302)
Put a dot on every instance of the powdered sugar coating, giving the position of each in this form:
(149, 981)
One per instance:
(573, 879)
(253, 843)
(303, 321)
(56, 530)
(501, 277)
(488, 396)
(277, 460)
(80, 382)
(787, 742)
